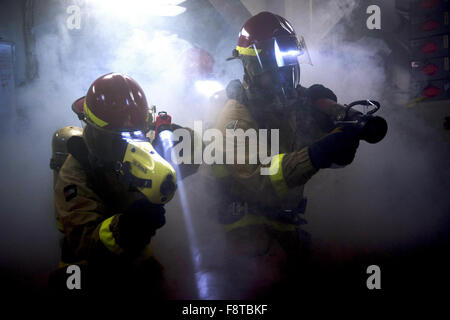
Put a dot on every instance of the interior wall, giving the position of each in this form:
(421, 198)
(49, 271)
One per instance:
(11, 29)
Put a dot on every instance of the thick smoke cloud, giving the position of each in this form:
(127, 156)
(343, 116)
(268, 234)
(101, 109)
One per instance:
(68, 63)
(395, 194)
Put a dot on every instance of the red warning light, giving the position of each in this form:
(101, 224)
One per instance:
(428, 4)
(429, 47)
(431, 91)
(430, 69)
(430, 25)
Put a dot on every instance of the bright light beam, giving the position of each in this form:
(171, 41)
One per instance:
(208, 87)
(201, 279)
(134, 8)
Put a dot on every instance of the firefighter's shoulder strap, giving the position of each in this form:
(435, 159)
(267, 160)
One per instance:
(78, 149)
(96, 180)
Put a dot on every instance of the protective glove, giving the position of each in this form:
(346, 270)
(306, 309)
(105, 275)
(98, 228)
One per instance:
(318, 91)
(139, 223)
(338, 147)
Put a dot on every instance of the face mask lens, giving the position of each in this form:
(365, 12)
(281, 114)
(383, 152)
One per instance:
(274, 54)
(278, 52)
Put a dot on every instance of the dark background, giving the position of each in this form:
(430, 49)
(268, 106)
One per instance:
(390, 207)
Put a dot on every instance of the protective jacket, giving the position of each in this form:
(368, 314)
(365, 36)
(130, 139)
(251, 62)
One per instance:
(262, 215)
(275, 199)
(89, 203)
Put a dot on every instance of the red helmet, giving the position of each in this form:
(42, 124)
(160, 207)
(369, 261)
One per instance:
(198, 63)
(114, 105)
(116, 102)
(268, 45)
(263, 26)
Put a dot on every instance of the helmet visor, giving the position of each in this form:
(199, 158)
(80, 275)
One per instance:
(275, 53)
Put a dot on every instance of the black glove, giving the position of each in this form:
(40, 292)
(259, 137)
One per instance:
(338, 147)
(318, 91)
(139, 223)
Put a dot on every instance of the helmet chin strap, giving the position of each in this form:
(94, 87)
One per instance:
(281, 100)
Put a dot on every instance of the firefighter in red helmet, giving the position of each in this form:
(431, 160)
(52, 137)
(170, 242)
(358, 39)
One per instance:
(200, 83)
(198, 63)
(111, 189)
(263, 215)
(270, 51)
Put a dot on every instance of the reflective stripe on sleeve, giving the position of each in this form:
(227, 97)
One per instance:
(276, 175)
(107, 237)
(59, 225)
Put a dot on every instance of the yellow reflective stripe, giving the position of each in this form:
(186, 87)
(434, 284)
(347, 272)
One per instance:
(62, 264)
(93, 117)
(107, 237)
(252, 219)
(59, 225)
(247, 51)
(146, 253)
(276, 175)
